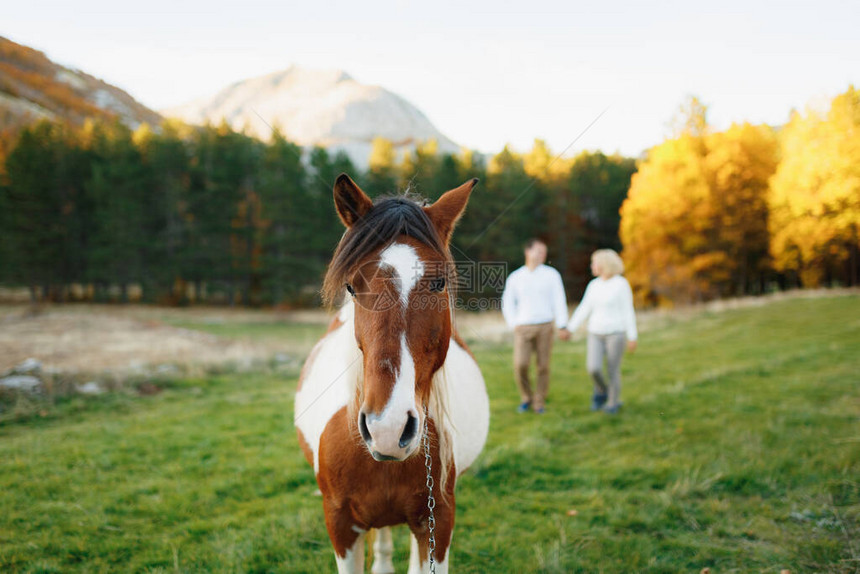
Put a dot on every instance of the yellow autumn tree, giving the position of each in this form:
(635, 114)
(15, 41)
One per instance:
(418, 169)
(663, 223)
(739, 163)
(815, 195)
(382, 171)
(694, 224)
(549, 175)
(542, 164)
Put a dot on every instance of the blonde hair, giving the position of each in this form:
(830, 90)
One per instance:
(609, 261)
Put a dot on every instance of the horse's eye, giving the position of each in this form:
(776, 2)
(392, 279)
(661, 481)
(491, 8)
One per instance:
(437, 285)
(350, 289)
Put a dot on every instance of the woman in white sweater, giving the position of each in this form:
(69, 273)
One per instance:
(608, 307)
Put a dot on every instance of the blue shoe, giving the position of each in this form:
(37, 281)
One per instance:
(524, 407)
(539, 411)
(612, 410)
(597, 401)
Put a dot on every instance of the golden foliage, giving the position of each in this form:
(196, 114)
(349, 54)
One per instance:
(815, 194)
(540, 163)
(500, 161)
(382, 154)
(710, 214)
(694, 224)
(659, 220)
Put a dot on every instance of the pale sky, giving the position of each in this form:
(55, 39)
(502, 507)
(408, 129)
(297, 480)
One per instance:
(486, 73)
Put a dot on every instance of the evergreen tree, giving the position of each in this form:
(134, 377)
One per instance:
(247, 225)
(45, 234)
(118, 191)
(167, 156)
(221, 180)
(286, 206)
(321, 213)
(597, 186)
(449, 174)
(551, 184)
(500, 219)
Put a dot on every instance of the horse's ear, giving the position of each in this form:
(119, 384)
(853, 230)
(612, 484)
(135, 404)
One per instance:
(448, 209)
(351, 203)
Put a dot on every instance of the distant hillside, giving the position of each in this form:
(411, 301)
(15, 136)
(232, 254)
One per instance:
(317, 107)
(33, 87)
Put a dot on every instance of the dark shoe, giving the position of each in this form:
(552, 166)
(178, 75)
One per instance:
(612, 410)
(597, 401)
(524, 407)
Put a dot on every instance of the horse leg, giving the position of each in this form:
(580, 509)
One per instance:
(383, 548)
(419, 560)
(353, 561)
(419, 564)
(346, 537)
(414, 558)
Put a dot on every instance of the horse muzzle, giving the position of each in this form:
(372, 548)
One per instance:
(390, 437)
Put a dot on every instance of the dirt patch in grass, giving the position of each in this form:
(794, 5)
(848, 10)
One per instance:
(93, 338)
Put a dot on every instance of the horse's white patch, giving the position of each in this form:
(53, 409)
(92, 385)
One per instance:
(329, 382)
(403, 394)
(408, 267)
(353, 562)
(468, 405)
(441, 566)
(418, 566)
(383, 550)
(414, 558)
(387, 427)
(346, 311)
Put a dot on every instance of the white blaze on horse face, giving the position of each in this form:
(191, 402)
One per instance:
(408, 268)
(387, 428)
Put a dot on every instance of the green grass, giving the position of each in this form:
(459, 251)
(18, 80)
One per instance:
(291, 335)
(738, 449)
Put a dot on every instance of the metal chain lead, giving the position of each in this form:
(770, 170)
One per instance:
(431, 501)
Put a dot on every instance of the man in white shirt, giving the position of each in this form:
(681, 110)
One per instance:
(533, 304)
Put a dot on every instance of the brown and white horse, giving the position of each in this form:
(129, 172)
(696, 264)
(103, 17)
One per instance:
(390, 356)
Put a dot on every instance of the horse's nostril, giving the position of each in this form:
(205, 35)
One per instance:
(362, 427)
(409, 431)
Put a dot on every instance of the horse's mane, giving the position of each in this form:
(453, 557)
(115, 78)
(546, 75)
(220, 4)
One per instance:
(389, 218)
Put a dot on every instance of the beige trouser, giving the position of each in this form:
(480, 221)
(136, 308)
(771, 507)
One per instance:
(530, 339)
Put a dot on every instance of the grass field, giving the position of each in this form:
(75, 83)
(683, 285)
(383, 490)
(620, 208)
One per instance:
(738, 449)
